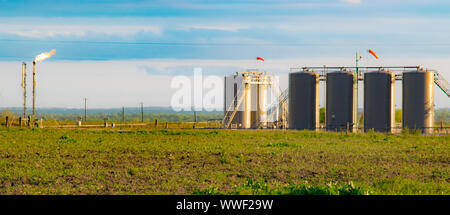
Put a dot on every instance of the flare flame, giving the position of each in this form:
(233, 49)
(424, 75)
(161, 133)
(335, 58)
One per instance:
(44, 56)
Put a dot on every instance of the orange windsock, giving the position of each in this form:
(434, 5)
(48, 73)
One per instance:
(373, 53)
(260, 58)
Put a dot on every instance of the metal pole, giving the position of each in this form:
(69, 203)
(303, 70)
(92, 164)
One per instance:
(246, 115)
(325, 97)
(34, 93)
(24, 86)
(123, 114)
(357, 89)
(85, 109)
(142, 112)
(357, 59)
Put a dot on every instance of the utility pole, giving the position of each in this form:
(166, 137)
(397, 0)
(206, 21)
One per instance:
(85, 109)
(195, 114)
(358, 58)
(142, 111)
(34, 93)
(123, 114)
(24, 86)
(357, 88)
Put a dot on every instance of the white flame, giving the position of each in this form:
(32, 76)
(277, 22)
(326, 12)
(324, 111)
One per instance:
(44, 56)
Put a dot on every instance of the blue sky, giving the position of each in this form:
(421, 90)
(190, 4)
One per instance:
(106, 30)
(221, 36)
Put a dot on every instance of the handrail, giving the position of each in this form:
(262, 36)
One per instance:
(440, 81)
(235, 108)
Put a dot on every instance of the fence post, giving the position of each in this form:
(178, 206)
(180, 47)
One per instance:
(6, 125)
(167, 126)
(20, 122)
(156, 123)
(348, 127)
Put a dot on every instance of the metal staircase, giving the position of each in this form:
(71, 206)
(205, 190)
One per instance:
(284, 95)
(281, 105)
(284, 108)
(228, 118)
(441, 83)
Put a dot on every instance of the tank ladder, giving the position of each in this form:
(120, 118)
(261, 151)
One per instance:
(441, 83)
(281, 105)
(284, 109)
(228, 118)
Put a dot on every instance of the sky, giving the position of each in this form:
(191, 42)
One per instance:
(121, 53)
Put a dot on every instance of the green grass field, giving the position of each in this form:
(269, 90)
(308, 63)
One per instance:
(186, 161)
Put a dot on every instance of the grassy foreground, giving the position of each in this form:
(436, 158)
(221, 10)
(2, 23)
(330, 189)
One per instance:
(61, 161)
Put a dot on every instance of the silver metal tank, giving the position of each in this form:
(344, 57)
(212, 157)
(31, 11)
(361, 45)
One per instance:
(341, 101)
(232, 86)
(418, 100)
(379, 103)
(303, 100)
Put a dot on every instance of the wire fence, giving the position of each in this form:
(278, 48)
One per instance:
(211, 124)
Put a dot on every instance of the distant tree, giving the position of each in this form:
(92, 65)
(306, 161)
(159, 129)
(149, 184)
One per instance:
(442, 116)
(398, 115)
(9, 114)
(322, 115)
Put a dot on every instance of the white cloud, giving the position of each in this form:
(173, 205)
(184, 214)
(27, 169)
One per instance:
(233, 28)
(129, 27)
(54, 30)
(352, 1)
